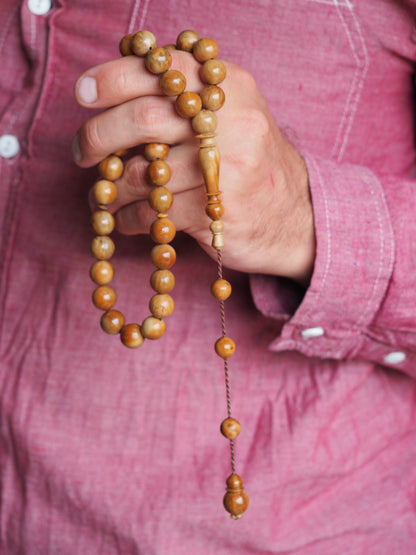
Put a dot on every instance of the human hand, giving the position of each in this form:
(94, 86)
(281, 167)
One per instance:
(268, 215)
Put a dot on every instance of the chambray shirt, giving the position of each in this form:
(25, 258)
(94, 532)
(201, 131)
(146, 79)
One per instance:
(114, 451)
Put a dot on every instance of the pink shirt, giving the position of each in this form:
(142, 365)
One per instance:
(107, 450)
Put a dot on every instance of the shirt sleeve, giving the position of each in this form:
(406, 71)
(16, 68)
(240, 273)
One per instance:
(361, 302)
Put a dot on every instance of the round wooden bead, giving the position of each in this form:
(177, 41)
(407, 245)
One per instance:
(205, 49)
(102, 247)
(160, 199)
(204, 122)
(102, 222)
(153, 328)
(158, 60)
(163, 256)
(188, 104)
(131, 336)
(124, 46)
(111, 168)
(162, 231)
(224, 347)
(213, 98)
(104, 297)
(101, 272)
(212, 72)
(169, 46)
(156, 151)
(141, 42)
(173, 82)
(230, 428)
(186, 40)
(158, 172)
(236, 499)
(121, 153)
(221, 289)
(161, 305)
(215, 211)
(112, 321)
(162, 281)
(104, 192)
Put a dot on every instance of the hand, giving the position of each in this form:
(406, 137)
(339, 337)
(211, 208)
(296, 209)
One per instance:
(268, 215)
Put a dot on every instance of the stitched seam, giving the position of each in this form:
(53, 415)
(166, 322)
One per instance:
(133, 17)
(7, 27)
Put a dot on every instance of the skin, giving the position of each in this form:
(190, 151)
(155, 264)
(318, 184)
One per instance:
(268, 215)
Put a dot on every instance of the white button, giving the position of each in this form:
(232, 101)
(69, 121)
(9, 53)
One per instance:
(395, 358)
(39, 7)
(312, 332)
(9, 146)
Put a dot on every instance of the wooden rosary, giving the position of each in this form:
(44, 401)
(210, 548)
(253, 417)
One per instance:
(201, 110)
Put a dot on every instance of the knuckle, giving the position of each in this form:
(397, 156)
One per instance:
(90, 140)
(150, 114)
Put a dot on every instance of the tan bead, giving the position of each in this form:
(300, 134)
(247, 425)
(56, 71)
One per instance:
(235, 500)
(104, 192)
(173, 82)
(186, 40)
(221, 289)
(213, 98)
(205, 122)
(112, 321)
(102, 222)
(230, 428)
(169, 46)
(163, 256)
(224, 347)
(121, 153)
(111, 168)
(212, 72)
(131, 336)
(102, 272)
(217, 228)
(156, 151)
(104, 297)
(158, 60)
(124, 46)
(158, 172)
(160, 199)
(162, 281)
(161, 305)
(153, 328)
(141, 42)
(162, 231)
(102, 247)
(188, 104)
(205, 49)
(215, 211)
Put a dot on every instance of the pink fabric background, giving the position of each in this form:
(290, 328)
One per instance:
(105, 450)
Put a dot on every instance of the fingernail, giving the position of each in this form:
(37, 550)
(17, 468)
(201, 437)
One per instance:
(87, 90)
(76, 151)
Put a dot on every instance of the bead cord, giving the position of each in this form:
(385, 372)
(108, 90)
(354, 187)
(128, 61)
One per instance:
(200, 109)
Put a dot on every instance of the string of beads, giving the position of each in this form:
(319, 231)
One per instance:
(200, 109)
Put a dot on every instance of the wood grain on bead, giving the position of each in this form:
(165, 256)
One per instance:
(141, 42)
(186, 40)
(158, 173)
(162, 231)
(111, 168)
(205, 49)
(161, 305)
(212, 97)
(236, 499)
(188, 104)
(102, 222)
(225, 347)
(153, 328)
(221, 289)
(160, 199)
(124, 46)
(104, 297)
(205, 121)
(173, 82)
(158, 60)
(212, 72)
(101, 272)
(163, 256)
(131, 336)
(230, 428)
(112, 321)
(102, 247)
(156, 151)
(209, 159)
(162, 281)
(104, 192)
